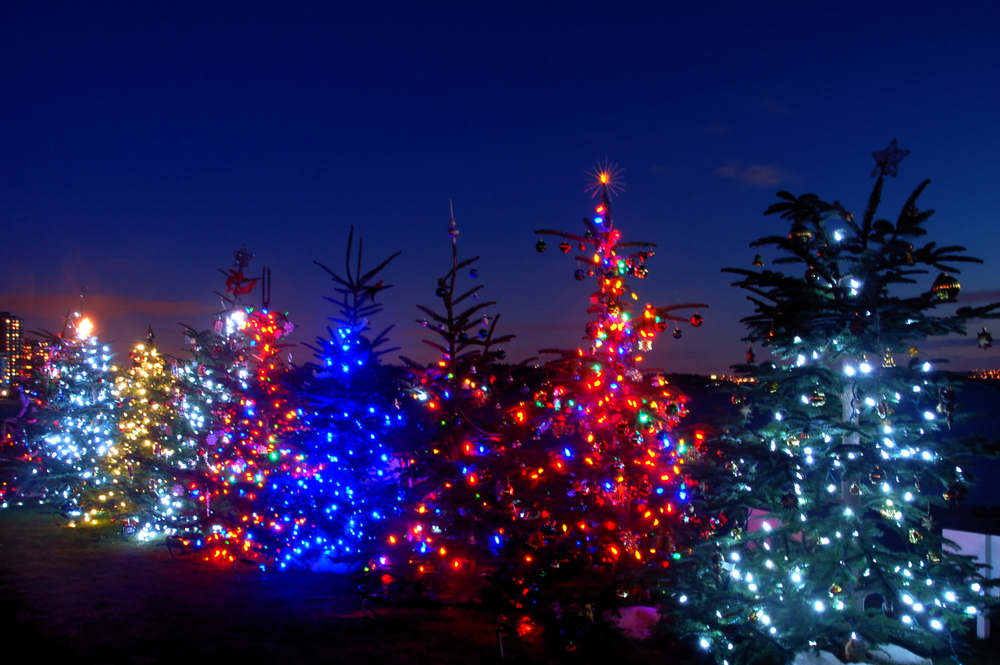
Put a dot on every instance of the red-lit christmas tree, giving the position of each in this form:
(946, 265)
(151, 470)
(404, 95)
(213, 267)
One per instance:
(249, 410)
(447, 536)
(600, 498)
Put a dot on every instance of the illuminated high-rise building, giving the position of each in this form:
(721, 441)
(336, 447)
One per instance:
(32, 356)
(11, 342)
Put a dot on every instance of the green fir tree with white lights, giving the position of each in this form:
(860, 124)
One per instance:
(828, 480)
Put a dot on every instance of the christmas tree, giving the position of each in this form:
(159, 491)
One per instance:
(246, 410)
(211, 383)
(602, 502)
(829, 478)
(335, 480)
(153, 447)
(79, 424)
(448, 532)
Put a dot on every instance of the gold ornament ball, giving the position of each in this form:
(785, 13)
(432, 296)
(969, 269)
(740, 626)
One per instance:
(800, 233)
(945, 287)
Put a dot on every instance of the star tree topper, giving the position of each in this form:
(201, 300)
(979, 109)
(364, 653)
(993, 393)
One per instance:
(887, 161)
(984, 339)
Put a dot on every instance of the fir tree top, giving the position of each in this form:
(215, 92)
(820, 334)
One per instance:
(846, 302)
(459, 349)
(356, 299)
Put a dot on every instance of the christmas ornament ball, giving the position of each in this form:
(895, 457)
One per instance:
(800, 233)
(945, 287)
(957, 493)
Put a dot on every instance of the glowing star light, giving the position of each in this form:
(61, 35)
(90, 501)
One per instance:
(84, 329)
(606, 180)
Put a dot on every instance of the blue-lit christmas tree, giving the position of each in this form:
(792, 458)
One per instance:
(334, 481)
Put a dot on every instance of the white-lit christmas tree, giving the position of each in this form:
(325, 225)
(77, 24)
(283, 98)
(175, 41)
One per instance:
(153, 451)
(80, 422)
(828, 480)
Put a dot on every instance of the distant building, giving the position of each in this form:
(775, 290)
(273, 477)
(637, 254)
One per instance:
(32, 357)
(11, 351)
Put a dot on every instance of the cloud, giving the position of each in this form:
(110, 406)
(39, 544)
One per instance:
(771, 105)
(958, 341)
(969, 297)
(101, 306)
(545, 327)
(757, 175)
(717, 128)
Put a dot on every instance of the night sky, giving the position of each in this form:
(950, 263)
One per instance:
(142, 142)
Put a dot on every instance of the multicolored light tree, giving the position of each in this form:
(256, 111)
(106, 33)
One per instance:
(602, 502)
(829, 480)
(249, 409)
(449, 531)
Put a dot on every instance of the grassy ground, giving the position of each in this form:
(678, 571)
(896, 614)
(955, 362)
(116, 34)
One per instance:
(87, 595)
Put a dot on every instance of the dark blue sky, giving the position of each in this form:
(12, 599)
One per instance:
(141, 142)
